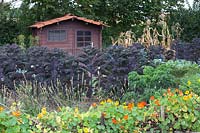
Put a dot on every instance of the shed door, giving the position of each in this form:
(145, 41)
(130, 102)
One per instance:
(83, 38)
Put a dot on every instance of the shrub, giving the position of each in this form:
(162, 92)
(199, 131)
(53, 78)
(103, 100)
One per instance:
(91, 72)
(169, 74)
(12, 59)
(114, 65)
(188, 51)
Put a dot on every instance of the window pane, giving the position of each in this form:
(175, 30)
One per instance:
(87, 33)
(79, 33)
(80, 44)
(62, 31)
(62, 35)
(50, 35)
(80, 39)
(56, 31)
(87, 38)
(83, 38)
(57, 35)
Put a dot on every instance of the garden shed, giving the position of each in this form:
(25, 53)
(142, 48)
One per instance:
(71, 33)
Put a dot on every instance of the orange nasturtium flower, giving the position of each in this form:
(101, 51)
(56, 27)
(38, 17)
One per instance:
(154, 115)
(130, 106)
(126, 117)
(114, 121)
(94, 104)
(122, 127)
(16, 113)
(168, 90)
(180, 93)
(152, 98)
(103, 114)
(176, 90)
(141, 104)
(1, 108)
(157, 102)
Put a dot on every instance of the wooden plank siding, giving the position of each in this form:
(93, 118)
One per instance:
(71, 27)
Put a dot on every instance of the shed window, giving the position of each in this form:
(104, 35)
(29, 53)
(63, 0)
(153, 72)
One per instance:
(83, 38)
(57, 35)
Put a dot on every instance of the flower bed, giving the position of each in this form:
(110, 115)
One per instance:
(174, 110)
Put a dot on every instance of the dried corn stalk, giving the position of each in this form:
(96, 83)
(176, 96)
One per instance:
(165, 34)
(125, 39)
(150, 36)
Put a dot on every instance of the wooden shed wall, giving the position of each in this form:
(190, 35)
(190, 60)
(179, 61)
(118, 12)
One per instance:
(71, 26)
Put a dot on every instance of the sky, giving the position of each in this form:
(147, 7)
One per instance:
(18, 2)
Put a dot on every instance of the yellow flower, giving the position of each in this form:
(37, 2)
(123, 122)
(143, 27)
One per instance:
(116, 103)
(40, 115)
(14, 104)
(125, 107)
(124, 103)
(109, 100)
(1, 108)
(44, 110)
(185, 98)
(189, 82)
(102, 102)
(76, 110)
(190, 95)
(86, 130)
(187, 92)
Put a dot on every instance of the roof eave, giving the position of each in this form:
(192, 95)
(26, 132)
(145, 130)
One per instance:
(42, 24)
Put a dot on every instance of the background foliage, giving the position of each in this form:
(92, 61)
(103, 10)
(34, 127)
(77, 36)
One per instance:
(119, 15)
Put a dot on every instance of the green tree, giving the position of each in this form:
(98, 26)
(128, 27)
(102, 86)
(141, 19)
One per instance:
(120, 15)
(8, 24)
(189, 19)
(128, 14)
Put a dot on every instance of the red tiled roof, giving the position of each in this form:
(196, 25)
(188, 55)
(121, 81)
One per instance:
(66, 17)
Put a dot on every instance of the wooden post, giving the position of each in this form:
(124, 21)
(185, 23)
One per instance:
(162, 114)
